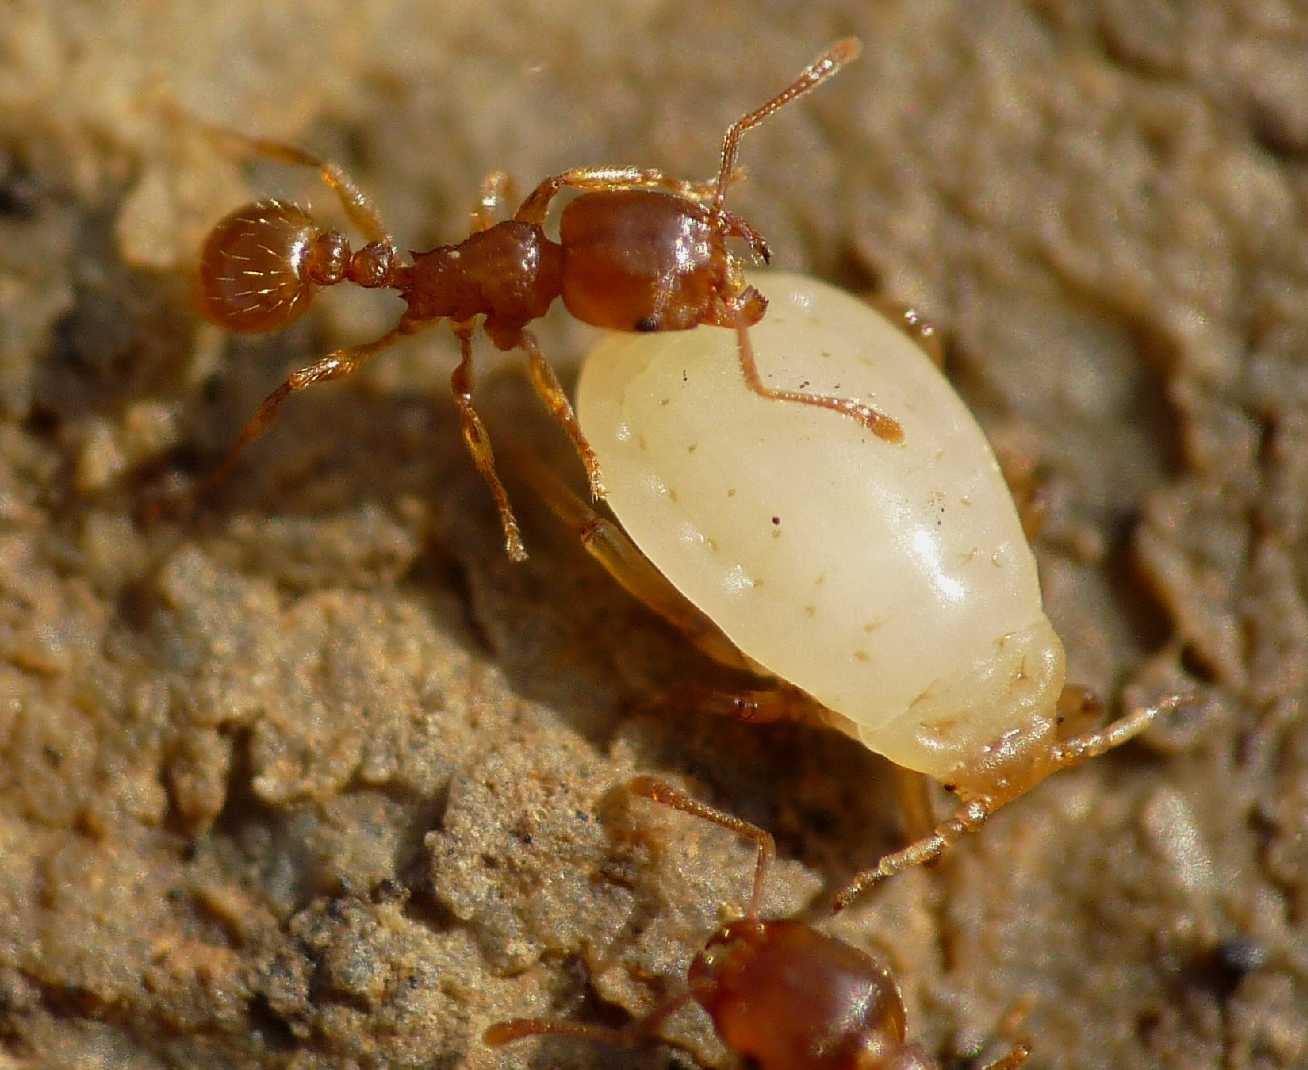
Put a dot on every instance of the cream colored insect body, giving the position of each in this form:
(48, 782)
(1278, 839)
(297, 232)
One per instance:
(892, 582)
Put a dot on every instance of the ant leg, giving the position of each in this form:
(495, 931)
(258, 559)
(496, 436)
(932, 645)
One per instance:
(883, 426)
(842, 52)
(363, 213)
(335, 365)
(665, 794)
(478, 444)
(629, 1036)
(589, 180)
(496, 188)
(551, 393)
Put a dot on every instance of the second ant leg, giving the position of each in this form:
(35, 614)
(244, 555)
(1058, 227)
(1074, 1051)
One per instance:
(629, 1036)
(478, 444)
(667, 795)
(548, 388)
(335, 365)
(883, 426)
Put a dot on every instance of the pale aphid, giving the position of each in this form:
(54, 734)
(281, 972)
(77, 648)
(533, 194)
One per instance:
(890, 581)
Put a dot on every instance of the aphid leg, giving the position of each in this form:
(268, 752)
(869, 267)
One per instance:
(335, 365)
(913, 793)
(358, 205)
(1009, 1028)
(883, 426)
(842, 52)
(667, 795)
(589, 180)
(1015, 1058)
(608, 544)
(496, 188)
(762, 705)
(629, 1036)
(1072, 752)
(552, 394)
(911, 321)
(969, 817)
(973, 812)
(478, 444)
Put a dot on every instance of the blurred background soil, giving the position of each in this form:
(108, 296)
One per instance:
(316, 778)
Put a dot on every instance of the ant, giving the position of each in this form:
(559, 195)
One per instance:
(779, 992)
(637, 251)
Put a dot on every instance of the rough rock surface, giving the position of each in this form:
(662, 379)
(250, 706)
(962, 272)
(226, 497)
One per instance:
(317, 779)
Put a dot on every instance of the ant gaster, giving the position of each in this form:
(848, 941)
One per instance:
(779, 992)
(637, 251)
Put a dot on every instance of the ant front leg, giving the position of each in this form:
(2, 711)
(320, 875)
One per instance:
(591, 180)
(478, 444)
(556, 400)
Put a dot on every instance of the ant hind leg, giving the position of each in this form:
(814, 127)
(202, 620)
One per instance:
(360, 208)
(335, 365)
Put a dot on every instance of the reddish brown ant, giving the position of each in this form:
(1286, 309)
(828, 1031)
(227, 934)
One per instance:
(638, 251)
(779, 992)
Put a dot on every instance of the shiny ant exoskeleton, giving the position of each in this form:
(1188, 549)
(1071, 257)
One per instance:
(637, 251)
(781, 994)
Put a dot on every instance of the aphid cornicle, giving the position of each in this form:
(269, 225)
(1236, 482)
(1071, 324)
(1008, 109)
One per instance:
(888, 589)
(637, 251)
(780, 993)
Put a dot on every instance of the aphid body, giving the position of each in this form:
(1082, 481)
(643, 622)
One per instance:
(890, 581)
(780, 992)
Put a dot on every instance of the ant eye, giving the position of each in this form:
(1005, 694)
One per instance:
(647, 324)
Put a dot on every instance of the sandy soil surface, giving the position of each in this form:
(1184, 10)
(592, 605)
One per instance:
(316, 778)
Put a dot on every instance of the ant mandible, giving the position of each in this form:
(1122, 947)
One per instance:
(638, 251)
(780, 992)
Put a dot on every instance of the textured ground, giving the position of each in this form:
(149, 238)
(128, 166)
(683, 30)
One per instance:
(319, 780)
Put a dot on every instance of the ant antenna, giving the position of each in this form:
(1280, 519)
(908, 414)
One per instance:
(843, 52)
